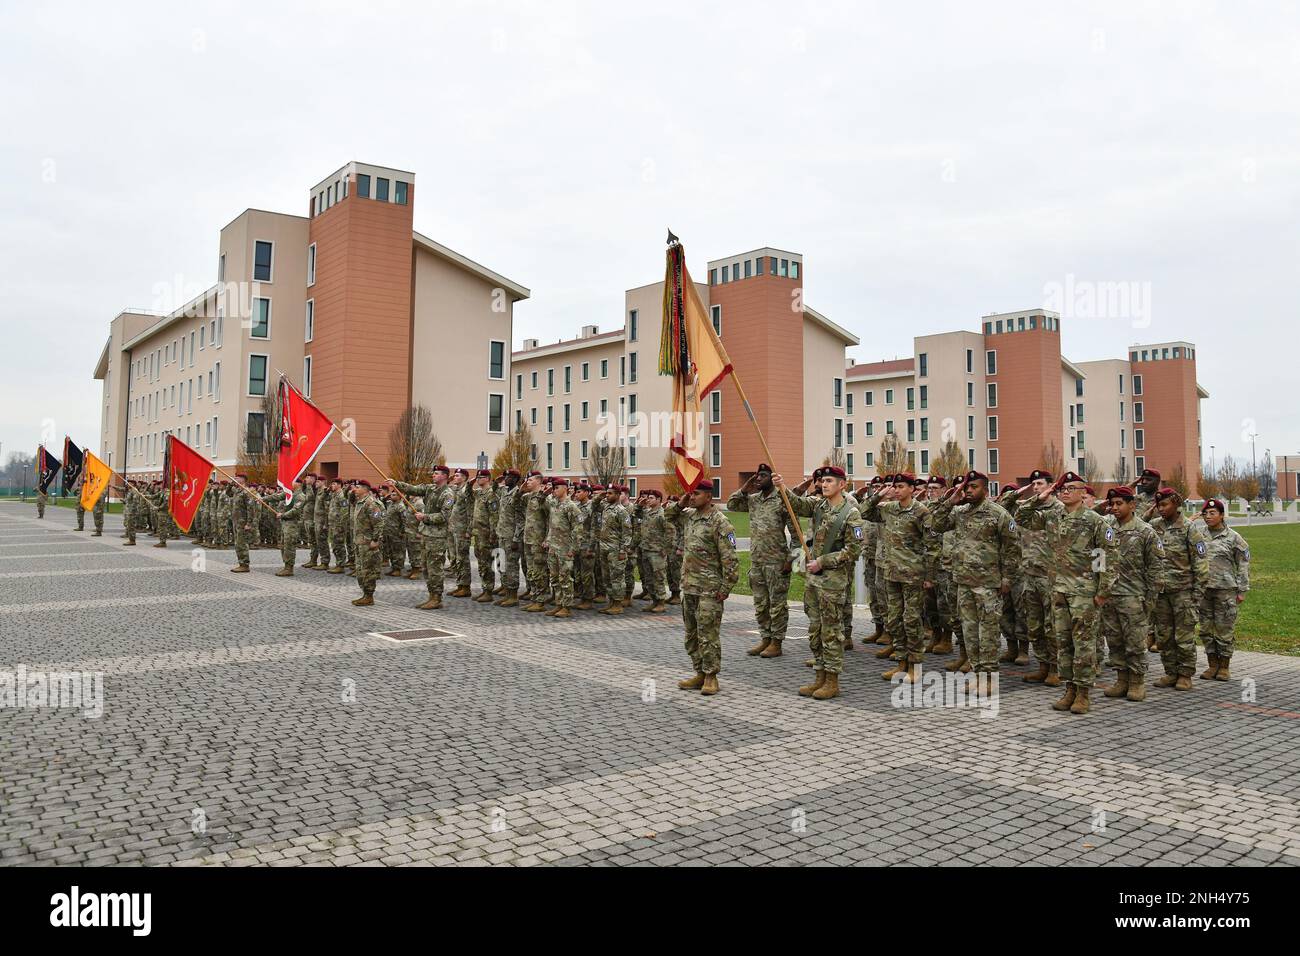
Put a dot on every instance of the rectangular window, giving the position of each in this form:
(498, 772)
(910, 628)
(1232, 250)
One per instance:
(533, 418)
(1081, 446)
(749, 267)
(261, 261)
(993, 428)
(1078, 415)
(848, 403)
(604, 368)
(713, 277)
(848, 433)
(309, 331)
(871, 429)
(604, 407)
(925, 396)
(519, 387)
(585, 410)
(868, 398)
(261, 328)
(991, 362)
(993, 395)
(631, 367)
(550, 456)
(550, 381)
(1071, 416)
(306, 376)
(871, 459)
(311, 264)
(533, 380)
(1137, 384)
(631, 325)
(496, 412)
(715, 407)
(837, 392)
(550, 418)
(923, 362)
(631, 453)
(889, 427)
(381, 189)
(993, 461)
(889, 396)
(839, 433)
(1121, 383)
(1121, 411)
(221, 267)
(925, 460)
(363, 185)
(257, 374)
(497, 360)
(911, 399)
(1078, 387)
(715, 313)
(566, 455)
(399, 192)
(622, 370)
(586, 371)
(970, 427)
(925, 429)
(583, 447)
(715, 450)
(568, 417)
(217, 369)
(970, 361)
(911, 430)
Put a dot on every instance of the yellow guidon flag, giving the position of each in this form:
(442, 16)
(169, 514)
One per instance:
(94, 481)
(691, 352)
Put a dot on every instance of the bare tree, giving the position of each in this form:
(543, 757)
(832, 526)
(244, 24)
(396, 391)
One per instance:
(1207, 486)
(1177, 480)
(413, 447)
(1267, 477)
(951, 461)
(1230, 478)
(1120, 472)
(259, 441)
(1050, 458)
(891, 458)
(517, 452)
(835, 457)
(671, 485)
(606, 464)
(1091, 468)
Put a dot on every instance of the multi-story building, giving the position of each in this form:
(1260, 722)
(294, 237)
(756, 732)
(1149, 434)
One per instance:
(605, 387)
(365, 315)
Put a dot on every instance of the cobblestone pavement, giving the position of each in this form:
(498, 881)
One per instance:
(258, 720)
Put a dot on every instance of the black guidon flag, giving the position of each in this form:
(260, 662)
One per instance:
(73, 459)
(47, 466)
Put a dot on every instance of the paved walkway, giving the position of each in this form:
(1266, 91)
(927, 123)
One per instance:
(252, 719)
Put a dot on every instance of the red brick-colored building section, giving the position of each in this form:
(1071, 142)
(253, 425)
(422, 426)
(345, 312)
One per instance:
(1169, 417)
(1029, 405)
(763, 334)
(361, 361)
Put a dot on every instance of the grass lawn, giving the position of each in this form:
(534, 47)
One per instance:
(61, 503)
(1270, 616)
(740, 521)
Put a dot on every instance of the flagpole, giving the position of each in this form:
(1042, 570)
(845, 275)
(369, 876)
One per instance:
(235, 482)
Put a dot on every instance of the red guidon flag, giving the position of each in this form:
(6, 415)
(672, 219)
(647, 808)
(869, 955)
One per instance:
(691, 352)
(186, 473)
(304, 430)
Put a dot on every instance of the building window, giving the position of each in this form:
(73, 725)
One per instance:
(1137, 384)
(261, 328)
(870, 460)
(262, 254)
(1121, 411)
(713, 277)
(533, 418)
(221, 267)
(848, 464)
(1121, 383)
(309, 331)
(715, 313)
(838, 392)
(911, 430)
(583, 448)
(565, 449)
(584, 410)
(631, 325)
(604, 368)
(715, 407)
(399, 192)
(1081, 447)
(970, 394)
(871, 429)
(631, 452)
(550, 381)
(970, 427)
(839, 433)
(306, 375)
(622, 370)
(925, 396)
(1139, 439)
(925, 460)
(1078, 387)
(586, 371)
(496, 412)
(381, 189)
(568, 379)
(568, 416)
(924, 363)
(532, 383)
(993, 395)
(993, 461)
(1138, 412)
(993, 428)
(889, 427)
(363, 185)
(631, 367)
(311, 264)
(925, 429)
(257, 374)
(889, 396)
(868, 398)
(497, 360)
(749, 268)
(715, 450)
(848, 403)
(970, 361)
(550, 456)
(519, 387)
(911, 399)
(991, 362)
(1078, 414)
(1139, 464)
(550, 418)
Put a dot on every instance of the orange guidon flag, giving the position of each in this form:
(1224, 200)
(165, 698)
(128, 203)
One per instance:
(94, 481)
(691, 352)
(186, 474)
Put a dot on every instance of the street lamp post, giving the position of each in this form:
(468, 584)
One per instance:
(24, 481)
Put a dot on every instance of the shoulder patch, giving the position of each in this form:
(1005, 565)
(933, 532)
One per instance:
(1110, 533)
(731, 536)
(1200, 548)
(1011, 523)
(1245, 553)
(857, 531)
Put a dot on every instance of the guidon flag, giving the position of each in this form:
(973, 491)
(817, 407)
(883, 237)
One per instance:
(304, 429)
(47, 466)
(94, 481)
(73, 459)
(186, 474)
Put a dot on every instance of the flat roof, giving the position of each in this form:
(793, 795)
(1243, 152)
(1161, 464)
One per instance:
(569, 345)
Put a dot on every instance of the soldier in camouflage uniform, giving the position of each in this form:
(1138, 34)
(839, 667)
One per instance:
(1148, 484)
(837, 537)
(393, 530)
(510, 535)
(166, 526)
(1036, 571)
(940, 606)
(563, 527)
(678, 521)
(367, 519)
(338, 516)
(462, 514)
(437, 498)
(633, 566)
(306, 519)
(909, 563)
(1225, 588)
(1013, 624)
(537, 504)
(42, 498)
(710, 570)
(1081, 542)
(81, 512)
(1182, 588)
(656, 542)
(241, 520)
(584, 560)
(410, 542)
(101, 504)
(290, 515)
(483, 530)
(1138, 557)
(128, 514)
(321, 519)
(986, 554)
(774, 540)
(613, 530)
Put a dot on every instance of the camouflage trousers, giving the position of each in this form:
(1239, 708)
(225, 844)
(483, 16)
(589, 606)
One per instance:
(394, 550)
(339, 541)
(1176, 616)
(674, 571)
(368, 560)
(537, 569)
(1013, 624)
(702, 614)
(1124, 622)
(487, 573)
(584, 575)
(560, 567)
(903, 623)
(825, 609)
(643, 569)
(939, 612)
(980, 610)
(1037, 597)
(241, 543)
(613, 572)
(288, 542)
(351, 545)
(432, 551)
(873, 582)
(771, 589)
(40, 507)
(99, 520)
(510, 574)
(1075, 620)
(320, 552)
(81, 517)
(630, 570)
(411, 544)
(656, 569)
(1218, 620)
(460, 559)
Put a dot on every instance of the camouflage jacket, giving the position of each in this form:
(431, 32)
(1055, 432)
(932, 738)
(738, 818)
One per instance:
(392, 521)
(614, 528)
(241, 510)
(537, 508)
(438, 502)
(321, 511)
(709, 565)
(1229, 557)
(909, 550)
(462, 511)
(986, 546)
(485, 515)
(1037, 550)
(1080, 544)
(367, 520)
(837, 537)
(510, 516)
(1187, 565)
(657, 535)
(769, 523)
(1137, 557)
(294, 508)
(339, 509)
(563, 528)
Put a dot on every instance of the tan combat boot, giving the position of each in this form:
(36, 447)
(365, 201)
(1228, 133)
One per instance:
(483, 597)
(807, 690)
(692, 683)
(462, 590)
(433, 604)
(1022, 652)
(944, 644)
(898, 666)
(1066, 702)
(553, 611)
(1210, 672)
(760, 647)
(364, 601)
(1039, 676)
(1224, 673)
(1169, 680)
(959, 663)
(161, 544)
(1183, 682)
(1119, 688)
(1080, 705)
(674, 598)
(394, 573)
(1053, 677)
(710, 685)
(773, 650)
(830, 688)
(239, 569)
(882, 637)
(535, 606)
(911, 673)
(337, 569)
(510, 600)
(415, 575)
(613, 609)
(1009, 655)
(1137, 688)
(884, 652)
(562, 612)
(583, 605)
(285, 572)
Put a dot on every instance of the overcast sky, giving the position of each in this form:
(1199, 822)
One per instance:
(932, 162)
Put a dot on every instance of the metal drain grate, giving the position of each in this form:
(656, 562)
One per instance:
(416, 634)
